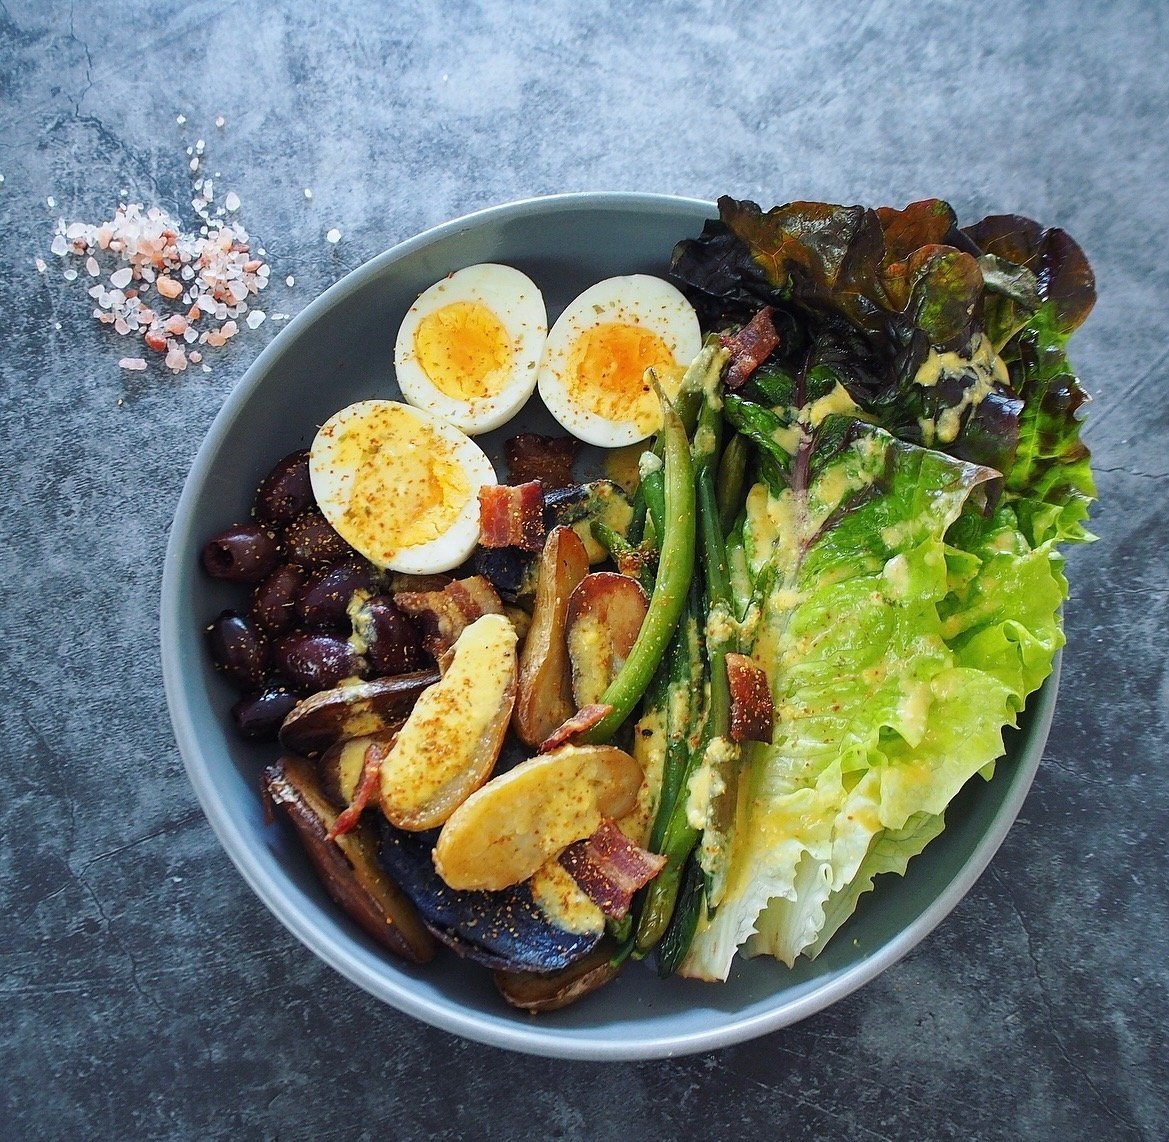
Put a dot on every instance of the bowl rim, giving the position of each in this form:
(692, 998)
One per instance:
(274, 891)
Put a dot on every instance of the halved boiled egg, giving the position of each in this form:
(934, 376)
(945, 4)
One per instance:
(593, 376)
(469, 348)
(401, 486)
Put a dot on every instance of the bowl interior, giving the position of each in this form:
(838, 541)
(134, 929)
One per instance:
(339, 350)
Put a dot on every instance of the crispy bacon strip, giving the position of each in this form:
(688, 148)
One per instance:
(750, 347)
(375, 754)
(610, 868)
(548, 459)
(512, 516)
(752, 710)
(442, 616)
(584, 719)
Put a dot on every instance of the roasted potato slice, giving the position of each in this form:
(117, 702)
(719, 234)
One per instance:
(604, 617)
(348, 866)
(544, 693)
(550, 991)
(352, 711)
(451, 740)
(505, 831)
(341, 766)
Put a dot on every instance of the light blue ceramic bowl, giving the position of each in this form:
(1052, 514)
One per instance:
(340, 349)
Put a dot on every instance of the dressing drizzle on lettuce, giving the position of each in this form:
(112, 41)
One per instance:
(897, 567)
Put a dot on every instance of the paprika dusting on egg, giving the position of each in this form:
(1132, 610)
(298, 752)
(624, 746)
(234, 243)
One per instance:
(606, 372)
(464, 349)
(407, 489)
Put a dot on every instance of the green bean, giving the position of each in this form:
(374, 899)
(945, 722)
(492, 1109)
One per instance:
(671, 583)
(732, 480)
(675, 942)
(653, 488)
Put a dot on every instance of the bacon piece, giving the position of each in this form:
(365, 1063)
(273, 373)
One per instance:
(750, 347)
(512, 515)
(442, 616)
(584, 719)
(375, 754)
(610, 868)
(548, 459)
(752, 710)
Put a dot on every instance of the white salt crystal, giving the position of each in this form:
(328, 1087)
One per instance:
(256, 318)
(308, 193)
(91, 267)
(41, 267)
(119, 279)
(134, 364)
(59, 246)
(52, 202)
(219, 121)
(180, 119)
(333, 235)
(231, 201)
(290, 281)
(70, 275)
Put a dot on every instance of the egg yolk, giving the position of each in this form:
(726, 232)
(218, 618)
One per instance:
(606, 373)
(464, 349)
(407, 489)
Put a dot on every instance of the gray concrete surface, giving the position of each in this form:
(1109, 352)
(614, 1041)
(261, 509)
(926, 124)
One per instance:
(143, 991)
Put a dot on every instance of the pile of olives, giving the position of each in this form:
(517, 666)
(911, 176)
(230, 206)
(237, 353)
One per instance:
(310, 593)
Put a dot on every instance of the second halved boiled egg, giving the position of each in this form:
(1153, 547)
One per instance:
(469, 348)
(399, 485)
(593, 376)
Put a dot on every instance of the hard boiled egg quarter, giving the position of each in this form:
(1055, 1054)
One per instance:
(593, 376)
(469, 348)
(399, 485)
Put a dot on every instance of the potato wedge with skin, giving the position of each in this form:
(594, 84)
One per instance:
(550, 991)
(340, 767)
(348, 867)
(451, 740)
(352, 711)
(605, 614)
(505, 831)
(544, 693)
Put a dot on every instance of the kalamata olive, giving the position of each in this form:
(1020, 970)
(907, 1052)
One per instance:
(258, 717)
(316, 661)
(323, 599)
(311, 540)
(285, 492)
(238, 649)
(242, 553)
(274, 600)
(392, 642)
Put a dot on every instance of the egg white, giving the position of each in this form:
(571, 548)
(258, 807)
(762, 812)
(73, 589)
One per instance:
(635, 299)
(334, 475)
(518, 305)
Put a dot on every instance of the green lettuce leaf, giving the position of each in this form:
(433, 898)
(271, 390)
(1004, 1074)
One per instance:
(888, 701)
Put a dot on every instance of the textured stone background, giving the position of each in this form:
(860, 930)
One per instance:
(144, 990)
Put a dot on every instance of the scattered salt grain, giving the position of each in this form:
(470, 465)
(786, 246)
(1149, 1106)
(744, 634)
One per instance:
(70, 275)
(307, 192)
(134, 364)
(256, 318)
(51, 201)
(194, 164)
(180, 119)
(92, 268)
(60, 246)
(219, 121)
(41, 267)
(231, 201)
(333, 235)
(290, 281)
(119, 279)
